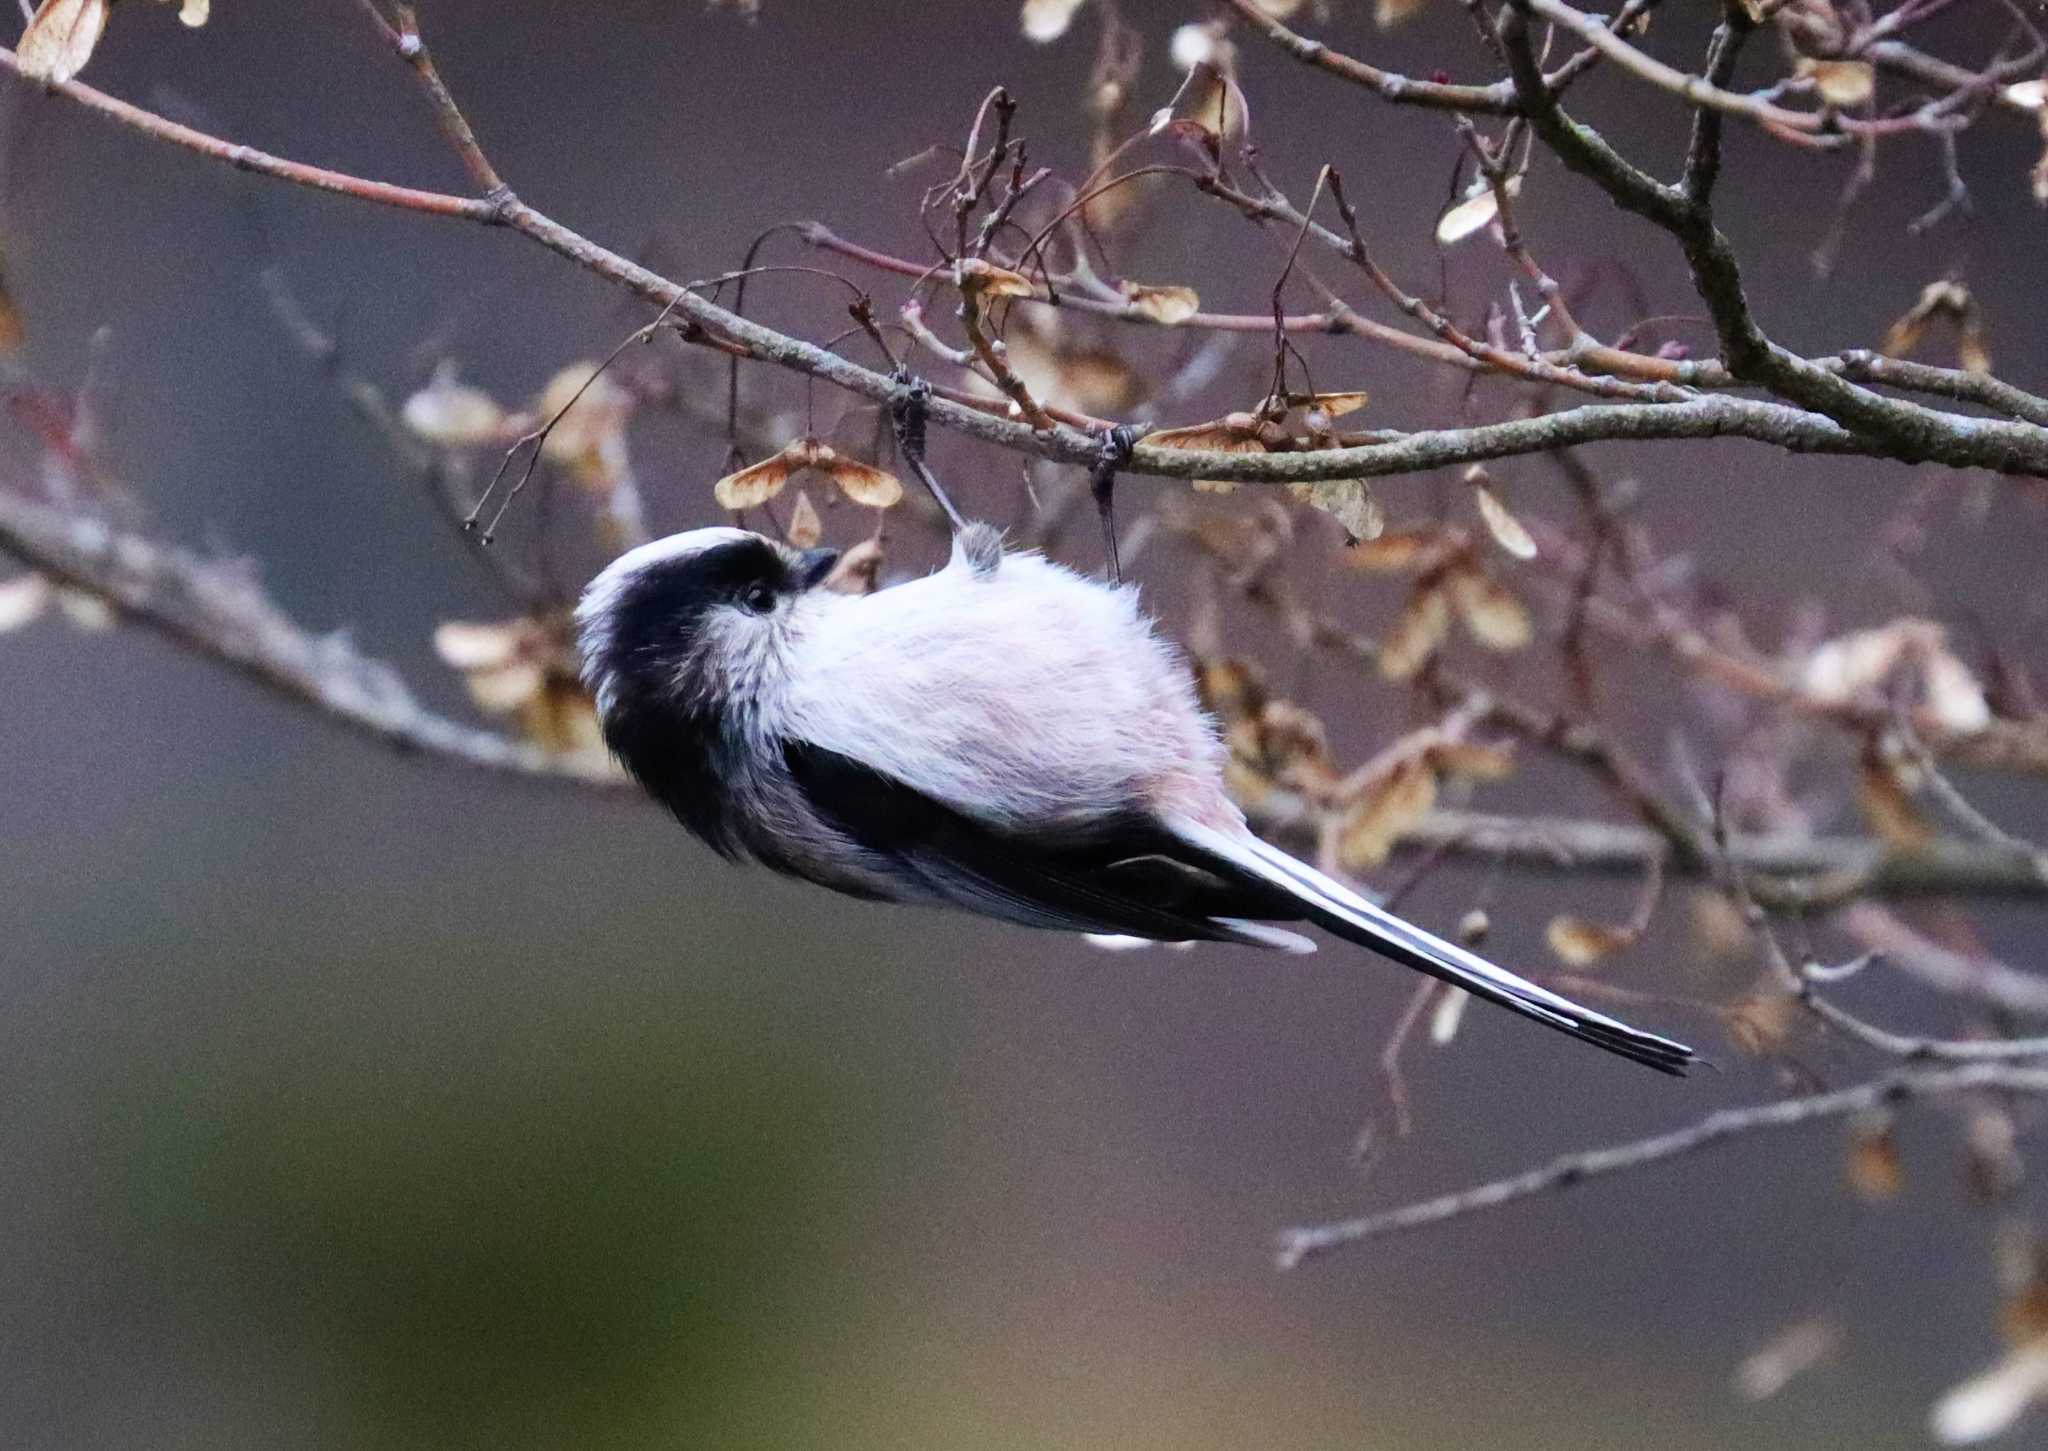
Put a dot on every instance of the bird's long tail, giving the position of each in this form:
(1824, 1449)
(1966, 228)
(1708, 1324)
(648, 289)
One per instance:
(1339, 910)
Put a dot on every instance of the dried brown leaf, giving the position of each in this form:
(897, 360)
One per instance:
(521, 667)
(13, 327)
(22, 600)
(1386, 810)
(1582, 943)
(1202, 42)
(559, 716)
(588, 413)
(1420, 628)
(467, 645)
(805, 527)
(1954, 696)
(1841, 82)
(2028, 95)
(1233, 433)
(1166, 305)
(1047, 20)
(1474, 761)
(1229, 687)
(1717, 923)
(1448, 1015)
(1840, 670)
(859, 571)
(1945, 298)
(1991, 1160)
(1792, 1352)
(755, 485)
(1398, 551)
(1991, 1402)
(980, 278)
(1246, 784)
(1475, 213)
(1887, 804)
(60, 39)
(506, 689)
(2039, 176)
(1317, 413)
(1062, 373)
(1295, 747)
(1094, 381)
(1490, 611)
(1506, 529)
(1903, 335)
(1844, 669)
(1761, 1024)
(860, 482)
(1207, 110)
(1350, 502)
(83, 609)
(2023, 1313)
(1973, 354)
(451, 414)
(1872, 1165)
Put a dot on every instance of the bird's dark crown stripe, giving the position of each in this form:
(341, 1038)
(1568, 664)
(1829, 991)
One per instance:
(662, 605)
(680, 748)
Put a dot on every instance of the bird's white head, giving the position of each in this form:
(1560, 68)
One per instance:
(673, 617)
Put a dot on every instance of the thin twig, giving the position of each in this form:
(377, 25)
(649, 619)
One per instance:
(1917, 434)
(1568, 1170)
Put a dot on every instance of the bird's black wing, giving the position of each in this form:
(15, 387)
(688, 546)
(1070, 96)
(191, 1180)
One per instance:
(1125, 874)
(1136, 875)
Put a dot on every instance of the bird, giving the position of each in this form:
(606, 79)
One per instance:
(1003, 736)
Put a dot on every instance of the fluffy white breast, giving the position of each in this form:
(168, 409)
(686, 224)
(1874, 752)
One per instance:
(1024, 695)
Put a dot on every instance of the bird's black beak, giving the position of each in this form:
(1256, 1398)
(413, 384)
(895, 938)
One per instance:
(813, 565)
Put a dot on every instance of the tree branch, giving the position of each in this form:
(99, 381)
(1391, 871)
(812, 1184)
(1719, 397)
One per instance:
(217, 610)
(1568, 1170)
(1898, 429)
(1583, 848)
(2012, 448)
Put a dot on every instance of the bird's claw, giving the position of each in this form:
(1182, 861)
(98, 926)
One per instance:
(1117, 447)
(909, 405)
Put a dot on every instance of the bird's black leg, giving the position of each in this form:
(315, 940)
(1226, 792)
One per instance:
(907, 407)
(1116, 452)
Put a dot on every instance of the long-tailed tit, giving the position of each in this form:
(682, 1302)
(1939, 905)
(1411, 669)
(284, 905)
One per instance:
(1002, 736)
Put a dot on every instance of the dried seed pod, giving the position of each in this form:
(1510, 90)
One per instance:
(1423, 622)
(1506, 529)
(1490, 611)
(805, 527)
(1872, 1166)
(1350, 502)
(1168, 306)
(1386, 810)
(1582, 943)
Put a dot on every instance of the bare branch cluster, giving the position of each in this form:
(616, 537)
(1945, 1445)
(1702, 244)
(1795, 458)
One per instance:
(1019, 317)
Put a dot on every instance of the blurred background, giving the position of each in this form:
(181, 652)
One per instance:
(353, 1100)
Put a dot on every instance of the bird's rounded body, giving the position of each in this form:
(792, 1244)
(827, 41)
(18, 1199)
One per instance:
(991, 672)
(1002, 736)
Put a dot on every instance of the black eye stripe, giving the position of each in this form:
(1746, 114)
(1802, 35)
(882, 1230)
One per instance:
(724, 573)
(732, 569)
(660, 611)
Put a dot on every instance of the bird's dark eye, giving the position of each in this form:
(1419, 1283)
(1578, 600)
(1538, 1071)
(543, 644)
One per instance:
(759, 598)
